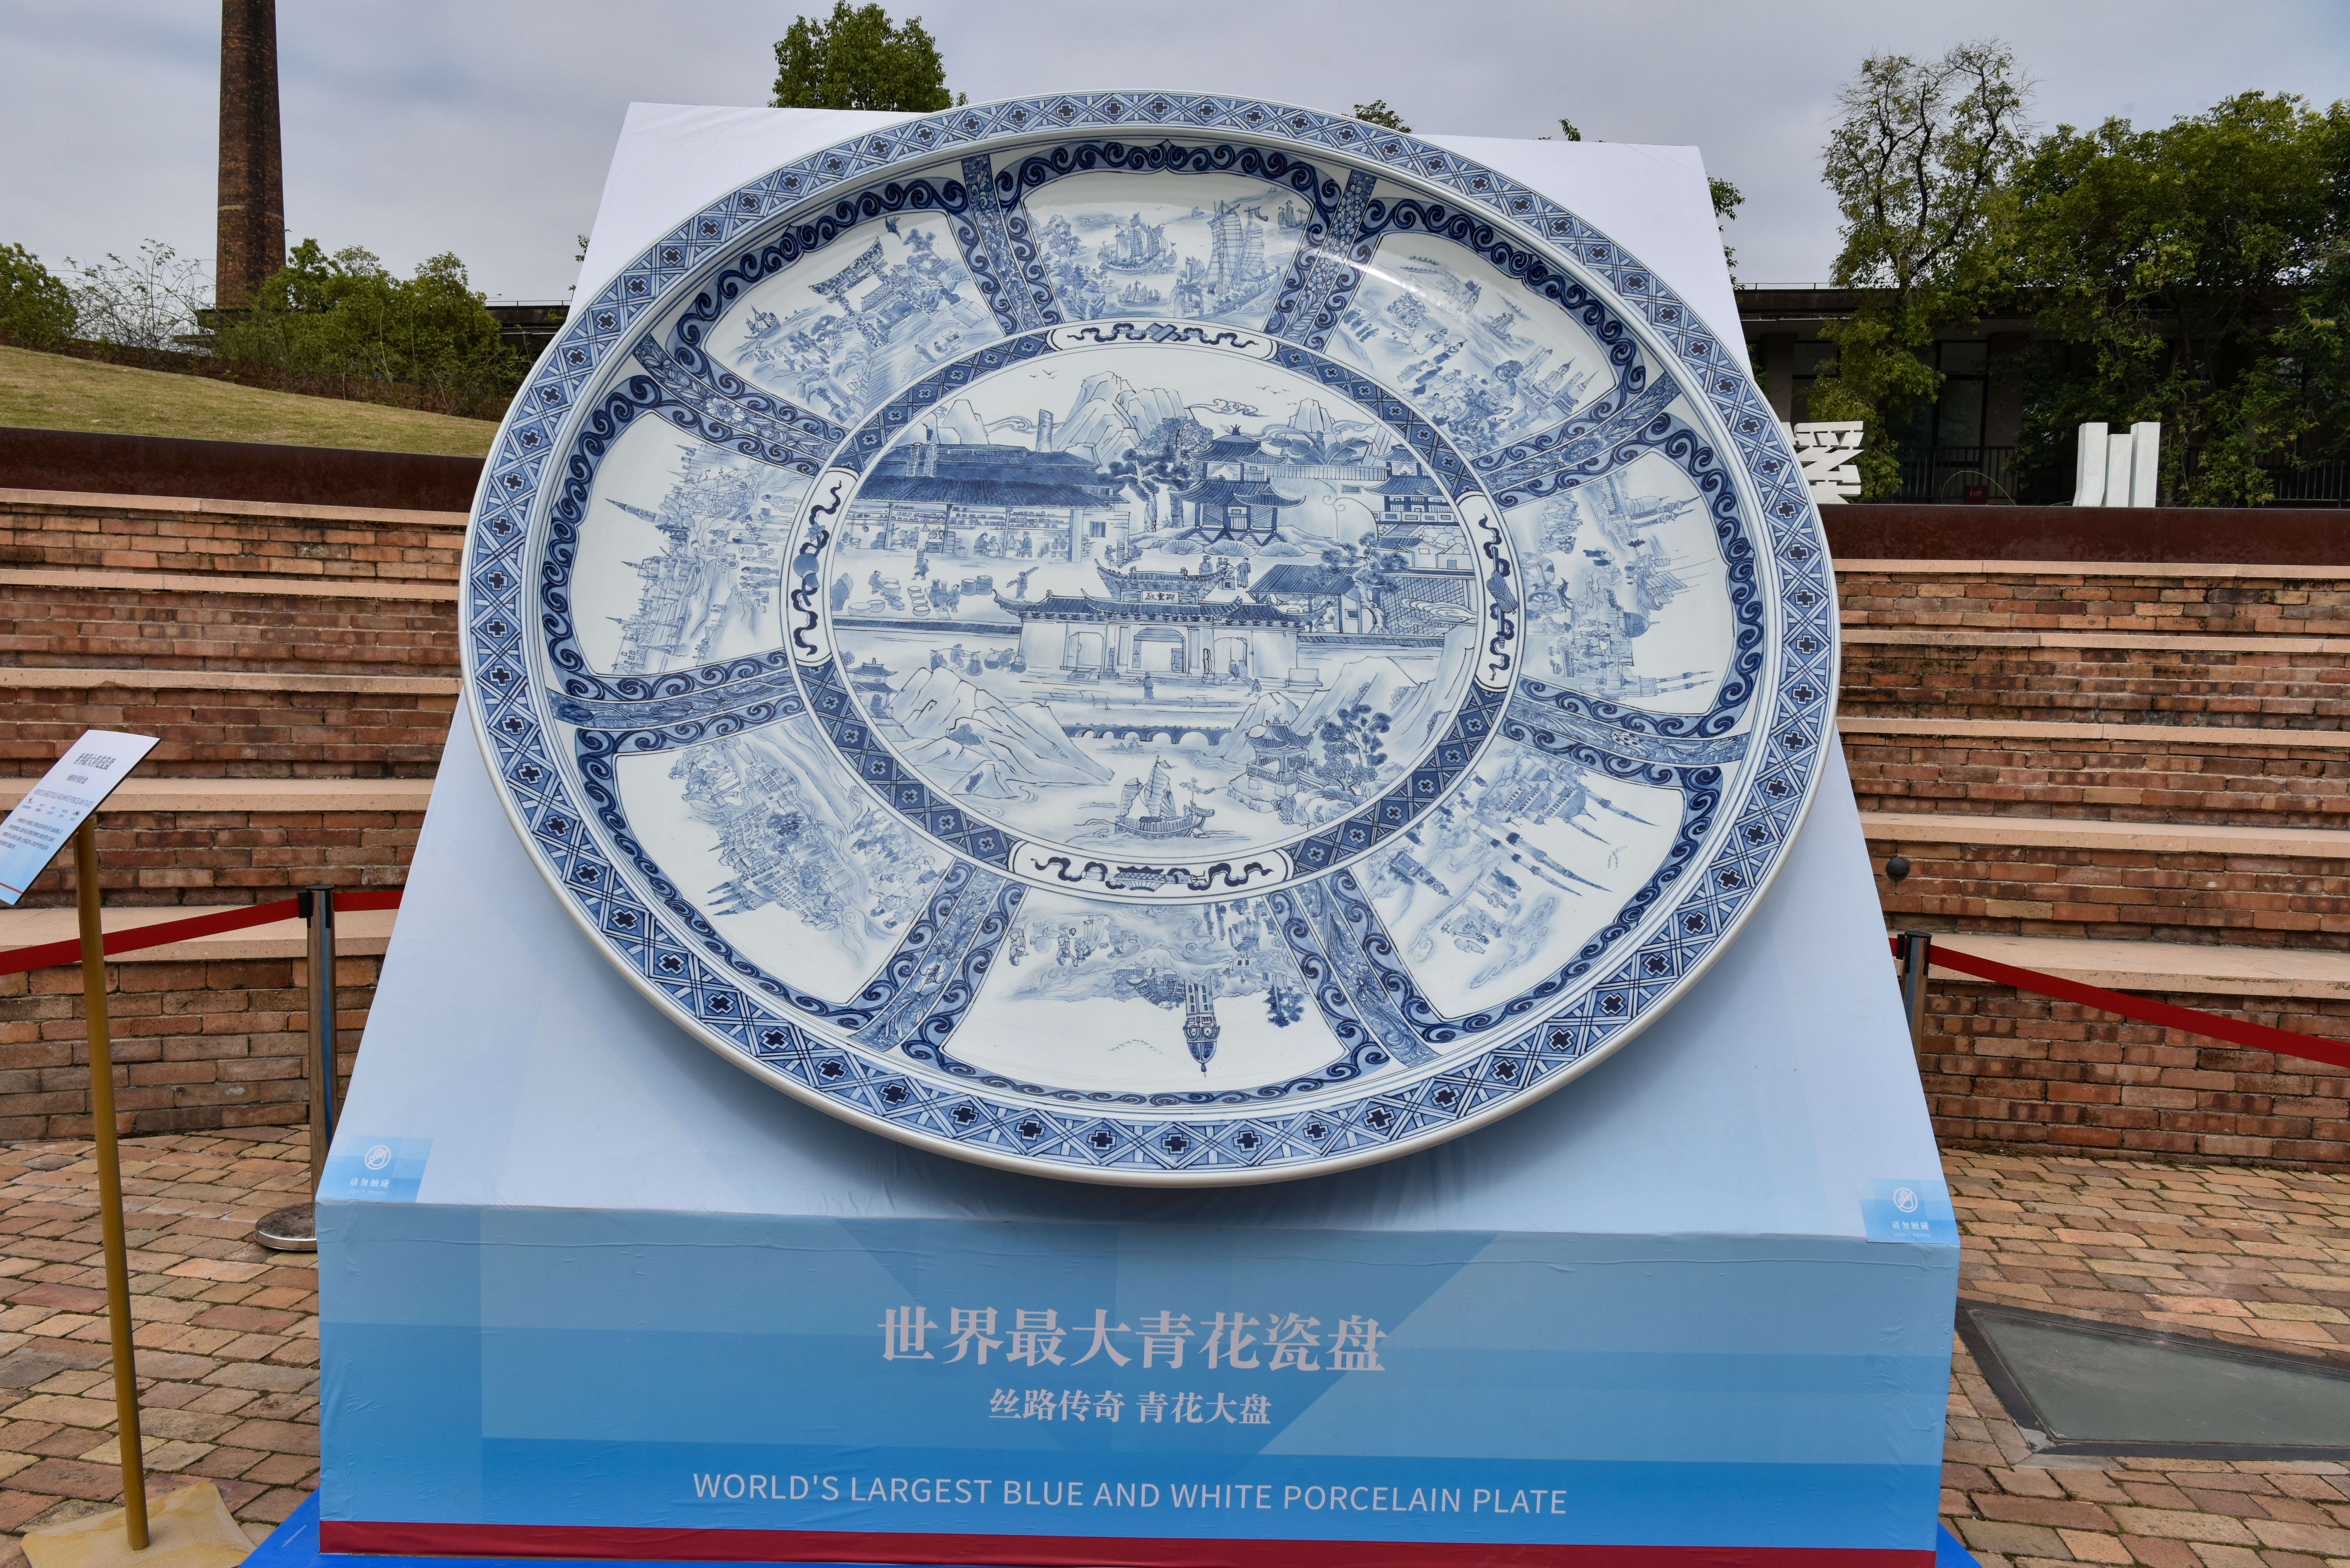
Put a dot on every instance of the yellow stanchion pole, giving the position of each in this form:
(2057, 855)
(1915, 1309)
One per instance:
(110, 1186)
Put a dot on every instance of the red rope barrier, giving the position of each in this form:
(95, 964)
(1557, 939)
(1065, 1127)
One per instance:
(131, 938)
(2213, 1025)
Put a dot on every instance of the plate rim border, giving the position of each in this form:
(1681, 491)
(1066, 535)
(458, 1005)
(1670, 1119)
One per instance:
(1464, 171)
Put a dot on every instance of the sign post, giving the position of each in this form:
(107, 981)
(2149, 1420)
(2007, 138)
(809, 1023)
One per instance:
(295, 1227)
(61, 805)
(110, 1186)
(319, 909)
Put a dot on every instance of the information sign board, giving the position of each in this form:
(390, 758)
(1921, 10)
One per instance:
(48, 815)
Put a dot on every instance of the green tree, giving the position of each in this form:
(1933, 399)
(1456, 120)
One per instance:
(1726, 199)
(860, 60)
(1377, 113)
(345, 324)
(2196, 274)
(2318, 338)
(1919, 163)
(37, 310)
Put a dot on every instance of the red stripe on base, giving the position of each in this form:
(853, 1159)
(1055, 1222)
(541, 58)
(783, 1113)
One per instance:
(396, 1539)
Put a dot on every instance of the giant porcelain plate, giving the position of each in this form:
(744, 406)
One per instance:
(1150, 638)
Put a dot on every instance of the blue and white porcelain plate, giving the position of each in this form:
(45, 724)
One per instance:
(1148, 638)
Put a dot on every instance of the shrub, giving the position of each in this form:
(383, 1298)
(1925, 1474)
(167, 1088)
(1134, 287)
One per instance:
(147, 307)
(324, 323)
(37, 310)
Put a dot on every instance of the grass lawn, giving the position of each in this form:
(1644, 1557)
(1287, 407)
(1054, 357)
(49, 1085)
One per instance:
(51, 391)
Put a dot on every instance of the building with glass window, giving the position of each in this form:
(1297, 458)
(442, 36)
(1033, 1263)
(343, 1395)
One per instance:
(1960, 449)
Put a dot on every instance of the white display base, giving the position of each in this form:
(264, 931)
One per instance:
(1655, 1304)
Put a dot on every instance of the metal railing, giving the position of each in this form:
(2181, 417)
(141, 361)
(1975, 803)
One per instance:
(2311, 484)
(1957, 473)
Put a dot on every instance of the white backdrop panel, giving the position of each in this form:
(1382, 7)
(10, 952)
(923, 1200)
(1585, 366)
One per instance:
(1762, 1104)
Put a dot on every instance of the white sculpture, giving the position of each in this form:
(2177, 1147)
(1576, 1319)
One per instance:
(2119, 470)
(1826, 450)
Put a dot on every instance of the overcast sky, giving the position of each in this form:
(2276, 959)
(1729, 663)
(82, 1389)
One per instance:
(484, 127)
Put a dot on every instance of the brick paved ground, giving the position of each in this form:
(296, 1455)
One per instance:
(227, 1332)
(2251, 1256)
(228, 1341)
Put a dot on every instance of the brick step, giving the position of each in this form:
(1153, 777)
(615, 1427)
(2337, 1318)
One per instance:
(2119, 772)
(2185, 883)
(2009, 1067)
(2084, 595)
(2279, 683)
(160, 534)
(172, 843)
(362, 933)
(207, 1034)
(195, 620)
(2254, 974)
(232, 723)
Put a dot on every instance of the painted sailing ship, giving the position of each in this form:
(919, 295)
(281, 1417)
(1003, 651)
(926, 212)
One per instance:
(1237, 272)
(1159, 817)
(1139, 246)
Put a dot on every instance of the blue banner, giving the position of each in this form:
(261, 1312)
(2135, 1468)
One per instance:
(890, 1377)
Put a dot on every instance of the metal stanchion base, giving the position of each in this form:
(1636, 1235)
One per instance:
(290, 1230)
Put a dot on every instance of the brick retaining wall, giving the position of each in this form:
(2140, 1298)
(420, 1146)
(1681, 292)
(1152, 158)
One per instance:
(2301, 535)
(247, 538)
(250, 471)
(197, 1044)
(260, 727)
(2007, 1068)
(2224, 600)
(220, 1043)
(2246, 900)
(85, 625)
(2197, 777)
(2299, 686)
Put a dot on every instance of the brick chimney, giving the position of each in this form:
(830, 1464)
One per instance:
(252, 180)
